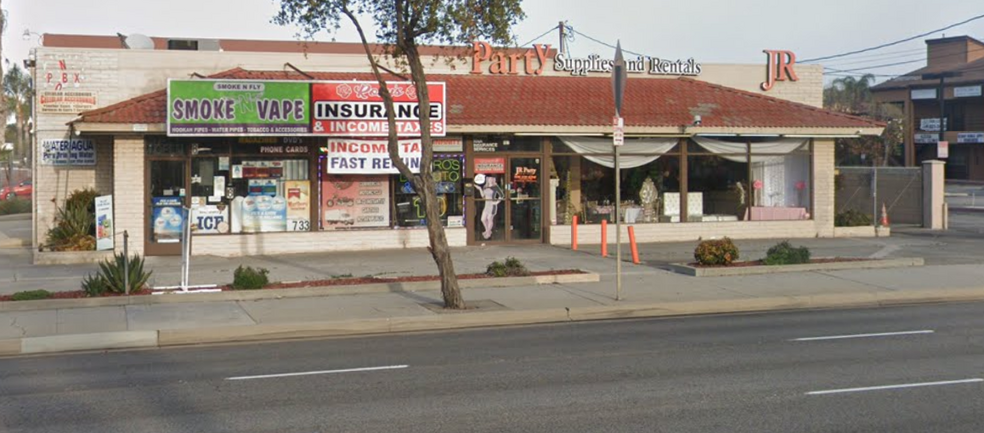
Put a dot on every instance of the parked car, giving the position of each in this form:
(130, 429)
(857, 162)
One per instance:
(21, 190)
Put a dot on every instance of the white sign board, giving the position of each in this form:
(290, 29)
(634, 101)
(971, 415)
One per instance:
(931, 124)
(943, 150)
(923, 138)
(967, 92)
(618, 136)
(352, 156)
(68, 152)
(970, 138)
(104, 223)
(924, 94)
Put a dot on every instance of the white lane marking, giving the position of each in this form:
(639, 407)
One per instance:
(906, 385)
(880, 334)
(310, 373)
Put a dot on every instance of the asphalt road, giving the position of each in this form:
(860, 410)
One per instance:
(743, 373)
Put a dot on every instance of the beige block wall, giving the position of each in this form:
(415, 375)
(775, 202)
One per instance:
(823, 187)
(685, 232)
(315, 242)
(129, 201)
(117, 75)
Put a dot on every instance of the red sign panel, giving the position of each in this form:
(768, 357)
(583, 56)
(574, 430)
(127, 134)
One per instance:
(354, 108)
(490, 165)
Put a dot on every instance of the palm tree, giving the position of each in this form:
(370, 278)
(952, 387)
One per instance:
(850, 95)
(18, 92)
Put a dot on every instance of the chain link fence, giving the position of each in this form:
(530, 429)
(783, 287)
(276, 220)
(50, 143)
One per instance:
(899, 189)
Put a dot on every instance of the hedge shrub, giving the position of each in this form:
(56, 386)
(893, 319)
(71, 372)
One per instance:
(247, 278)
(785, 254)
(718, 252)
(852, 218)
(512, 267)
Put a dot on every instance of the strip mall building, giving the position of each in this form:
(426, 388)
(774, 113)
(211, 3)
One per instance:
(275, 146)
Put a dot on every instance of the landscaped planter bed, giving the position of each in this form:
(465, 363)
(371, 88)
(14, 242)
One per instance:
(822, 264)
(327, 287)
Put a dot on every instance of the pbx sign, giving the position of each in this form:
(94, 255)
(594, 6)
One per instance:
(780, 68)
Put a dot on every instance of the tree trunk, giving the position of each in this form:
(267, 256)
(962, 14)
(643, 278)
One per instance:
(439, 246)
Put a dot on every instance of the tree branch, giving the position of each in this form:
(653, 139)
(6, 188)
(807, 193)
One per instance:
(393, 142)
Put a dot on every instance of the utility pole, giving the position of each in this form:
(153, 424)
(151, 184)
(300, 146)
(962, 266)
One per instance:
(941, 94)
(619, 78)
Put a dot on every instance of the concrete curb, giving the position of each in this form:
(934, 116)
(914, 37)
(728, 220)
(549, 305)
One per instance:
(14, 243)
(16, 217)
(452, 320)
(692, 271)
(305, 292)
(975, 209)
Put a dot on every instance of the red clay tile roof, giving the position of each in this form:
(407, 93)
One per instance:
(556, 101)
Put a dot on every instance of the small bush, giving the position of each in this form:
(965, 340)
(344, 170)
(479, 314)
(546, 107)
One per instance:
(15, 206)
(31, 295)
(112, 276)
(785, 254)
(94, 286)
(721, 252)
(247, 278)
(852, 218)
(512, 267)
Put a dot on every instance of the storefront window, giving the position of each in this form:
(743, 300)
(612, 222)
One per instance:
(781, 181)
(448, 172)
(585, 185)
(716, 187)
(498, 143)
(253, 185)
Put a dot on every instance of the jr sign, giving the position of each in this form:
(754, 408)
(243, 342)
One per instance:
(780, 68)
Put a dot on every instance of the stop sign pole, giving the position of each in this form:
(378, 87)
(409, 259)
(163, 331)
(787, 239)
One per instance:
(619, 77)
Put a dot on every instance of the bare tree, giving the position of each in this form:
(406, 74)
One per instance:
(401, 25)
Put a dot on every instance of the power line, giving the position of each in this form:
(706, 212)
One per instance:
(901, 53)
(878, 66)
(541, 35)
(893, 43)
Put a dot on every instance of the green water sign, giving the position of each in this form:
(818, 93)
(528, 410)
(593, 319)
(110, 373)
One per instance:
(238, 107)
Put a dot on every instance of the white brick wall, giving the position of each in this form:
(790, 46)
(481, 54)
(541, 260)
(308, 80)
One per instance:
(52, 185)
(322, 241)
(129, 200)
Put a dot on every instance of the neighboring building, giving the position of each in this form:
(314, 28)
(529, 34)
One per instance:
(960, 62)
(526, 145)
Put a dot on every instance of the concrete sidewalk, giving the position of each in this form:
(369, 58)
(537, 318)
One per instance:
(647, 292)
(953, 273)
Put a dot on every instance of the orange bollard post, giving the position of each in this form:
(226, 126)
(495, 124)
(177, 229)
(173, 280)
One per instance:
(574, 233)
(604, 238)
(632, 242)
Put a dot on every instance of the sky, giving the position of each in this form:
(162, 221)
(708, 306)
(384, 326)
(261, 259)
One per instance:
(711, 31)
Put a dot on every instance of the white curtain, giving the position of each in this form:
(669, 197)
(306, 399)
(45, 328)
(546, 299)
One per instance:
(591, 146)
(783, 145)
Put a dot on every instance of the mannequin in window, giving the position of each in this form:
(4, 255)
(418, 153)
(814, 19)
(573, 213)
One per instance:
(492, 195)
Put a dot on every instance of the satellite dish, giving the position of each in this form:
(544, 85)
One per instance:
(137, 41)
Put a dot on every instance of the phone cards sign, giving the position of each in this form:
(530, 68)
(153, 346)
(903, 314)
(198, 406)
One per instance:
(68, 152)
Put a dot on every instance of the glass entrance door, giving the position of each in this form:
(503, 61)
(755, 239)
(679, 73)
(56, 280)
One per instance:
(165, 201)
(508, 200)
(524, 199)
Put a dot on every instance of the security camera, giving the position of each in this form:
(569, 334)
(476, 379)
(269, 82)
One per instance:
(697, 120)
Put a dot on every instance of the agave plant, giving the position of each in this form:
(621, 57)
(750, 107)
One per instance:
(113, 274)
